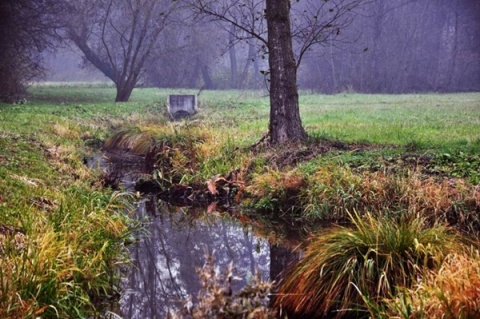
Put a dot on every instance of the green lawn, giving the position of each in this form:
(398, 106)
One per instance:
(429, 120)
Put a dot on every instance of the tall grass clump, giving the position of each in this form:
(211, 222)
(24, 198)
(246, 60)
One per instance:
(180, 152)
(451, 292)
(132, 139)
(61, 263)
(344, 266)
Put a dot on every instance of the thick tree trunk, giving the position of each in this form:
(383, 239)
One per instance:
(124, 92)
(285, 122)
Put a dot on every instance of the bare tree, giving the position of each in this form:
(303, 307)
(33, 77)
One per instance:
(188, 54)
(248, 18)
(27, 27)
(286, 31)
(117, 36)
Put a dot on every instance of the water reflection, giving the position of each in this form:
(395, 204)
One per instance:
(166, 257)
(173, 246)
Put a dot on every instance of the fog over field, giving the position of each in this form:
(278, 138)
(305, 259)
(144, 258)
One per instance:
(396, 46)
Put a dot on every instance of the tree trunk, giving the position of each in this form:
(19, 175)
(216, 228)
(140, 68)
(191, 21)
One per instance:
(124, 92)
(244, 79)
(280, 259)
(207, 79)
(233, 60)
(285, 122)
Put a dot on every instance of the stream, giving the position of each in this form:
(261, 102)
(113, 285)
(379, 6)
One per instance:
(173, 244)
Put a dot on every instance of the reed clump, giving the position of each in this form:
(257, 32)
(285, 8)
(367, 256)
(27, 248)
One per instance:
(64, 264)
(343, 266)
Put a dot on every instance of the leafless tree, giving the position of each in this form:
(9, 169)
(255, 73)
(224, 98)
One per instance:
(187, 56)
(27, 27)
(285, 123)
(117, 36)
(286, 30)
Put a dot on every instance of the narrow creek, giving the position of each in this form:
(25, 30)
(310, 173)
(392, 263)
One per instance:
(173, 244)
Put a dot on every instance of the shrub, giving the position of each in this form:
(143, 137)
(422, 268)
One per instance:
(345, 266)
(216, 299)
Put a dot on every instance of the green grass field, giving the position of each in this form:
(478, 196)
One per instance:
(431, 121)
(427, 120)
(62, 231)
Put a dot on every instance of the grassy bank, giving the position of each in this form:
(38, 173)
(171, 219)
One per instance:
(62, 231)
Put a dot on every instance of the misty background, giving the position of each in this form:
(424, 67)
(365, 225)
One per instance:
(397, 46)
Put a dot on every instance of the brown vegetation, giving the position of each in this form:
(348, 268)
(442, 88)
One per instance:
(344, 267)
(453, 291)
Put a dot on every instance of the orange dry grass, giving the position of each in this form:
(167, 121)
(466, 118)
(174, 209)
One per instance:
(332, 192)
(275, 183)
(452, 292)
(423, 195)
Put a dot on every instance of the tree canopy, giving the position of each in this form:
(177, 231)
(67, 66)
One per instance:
(27, 28)
(117, 36)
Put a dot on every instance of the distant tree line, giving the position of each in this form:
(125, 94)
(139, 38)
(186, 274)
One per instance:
(395, 46)
(402, 46)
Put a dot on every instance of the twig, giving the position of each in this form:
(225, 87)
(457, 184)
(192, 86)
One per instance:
(264, 137)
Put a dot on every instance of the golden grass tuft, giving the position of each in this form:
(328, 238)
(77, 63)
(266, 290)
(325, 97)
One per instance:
(451, 292)
(343, 266)
(131, 139)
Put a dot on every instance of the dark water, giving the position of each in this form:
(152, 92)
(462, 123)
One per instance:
(173, 245)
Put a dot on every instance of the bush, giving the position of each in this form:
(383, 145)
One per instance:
(216, 299)
(345, 267)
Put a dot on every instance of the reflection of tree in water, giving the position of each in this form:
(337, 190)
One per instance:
(280, 259)
(166, 257)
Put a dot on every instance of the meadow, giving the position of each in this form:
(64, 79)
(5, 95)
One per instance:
(410, 161)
